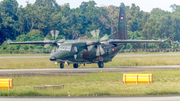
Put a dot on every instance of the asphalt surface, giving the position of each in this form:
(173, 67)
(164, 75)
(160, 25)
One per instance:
(82, 71)
(151, 98)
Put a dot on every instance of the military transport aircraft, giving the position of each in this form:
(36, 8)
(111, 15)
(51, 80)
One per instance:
(92, 51)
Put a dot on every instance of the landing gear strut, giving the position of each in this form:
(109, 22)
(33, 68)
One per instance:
(100, 64)
(61, 65)
(75, 65)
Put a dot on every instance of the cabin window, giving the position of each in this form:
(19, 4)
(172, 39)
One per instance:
(67, 48)
(74, 49)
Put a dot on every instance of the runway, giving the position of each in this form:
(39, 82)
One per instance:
(81, 71)
(150, 98)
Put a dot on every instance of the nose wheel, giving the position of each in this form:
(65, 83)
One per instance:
(61, 65)
(75, 65)
(100, 64)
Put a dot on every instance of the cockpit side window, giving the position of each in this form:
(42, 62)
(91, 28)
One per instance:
(74, 49)
(61, 48)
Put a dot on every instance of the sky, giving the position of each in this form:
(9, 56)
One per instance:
(145, 5)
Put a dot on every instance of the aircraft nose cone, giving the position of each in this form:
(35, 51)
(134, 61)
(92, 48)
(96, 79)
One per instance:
(53, 58)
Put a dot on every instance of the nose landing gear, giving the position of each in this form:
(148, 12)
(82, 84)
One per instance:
(61, 65)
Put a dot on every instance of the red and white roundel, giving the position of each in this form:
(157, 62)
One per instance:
(113, 49)
(121, 16)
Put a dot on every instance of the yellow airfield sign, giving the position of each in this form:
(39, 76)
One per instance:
(137, 78)
(6, 83)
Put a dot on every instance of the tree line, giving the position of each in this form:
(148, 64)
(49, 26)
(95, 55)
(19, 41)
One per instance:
(35, 22)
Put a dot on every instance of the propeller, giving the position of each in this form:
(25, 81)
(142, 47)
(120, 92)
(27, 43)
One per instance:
(54, 34)
(98, 44)
(46, 45)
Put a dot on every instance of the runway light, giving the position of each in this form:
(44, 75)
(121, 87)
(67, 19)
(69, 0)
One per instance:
(6, 83)
(137, 78)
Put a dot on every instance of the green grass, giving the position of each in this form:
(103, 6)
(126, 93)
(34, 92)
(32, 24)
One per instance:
(96, 84)
(25, 54)
(40, 63)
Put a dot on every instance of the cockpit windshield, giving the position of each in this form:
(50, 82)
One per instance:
(67, 48)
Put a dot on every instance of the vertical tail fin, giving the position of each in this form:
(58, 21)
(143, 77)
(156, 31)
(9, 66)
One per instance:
(122, 25)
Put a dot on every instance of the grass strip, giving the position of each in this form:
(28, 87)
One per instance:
(96, 84)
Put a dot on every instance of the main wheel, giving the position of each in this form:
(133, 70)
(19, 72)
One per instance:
(75, 65)
(100, 64)
(61, 65)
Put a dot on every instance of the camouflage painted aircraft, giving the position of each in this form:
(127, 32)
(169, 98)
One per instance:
(92, 51)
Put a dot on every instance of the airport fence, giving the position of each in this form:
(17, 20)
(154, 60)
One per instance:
(33, 51)
(151, 50)
(48, 51)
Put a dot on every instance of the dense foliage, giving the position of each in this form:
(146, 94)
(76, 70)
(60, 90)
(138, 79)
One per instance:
(35, 21)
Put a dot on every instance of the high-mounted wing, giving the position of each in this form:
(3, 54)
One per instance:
(38, 42)
(138, 41)
(31, 42)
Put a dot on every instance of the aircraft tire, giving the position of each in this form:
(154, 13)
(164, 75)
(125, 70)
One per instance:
(61, 65)
(75, 65)
(100, 64)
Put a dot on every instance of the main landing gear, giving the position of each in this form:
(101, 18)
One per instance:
(61, 65)
(100, 64)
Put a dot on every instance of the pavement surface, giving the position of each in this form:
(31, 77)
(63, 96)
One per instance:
(151, 98)
(81, 71)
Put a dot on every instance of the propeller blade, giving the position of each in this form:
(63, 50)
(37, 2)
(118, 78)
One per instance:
(105, 37)
(101, 50)
(56, 34)
(52, 33)
(98, 51)
(95, 34)
(46, 45)
(90, 47)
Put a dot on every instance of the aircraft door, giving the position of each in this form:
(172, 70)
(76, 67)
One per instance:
(74, 51)
(81, 53)
(77, 53)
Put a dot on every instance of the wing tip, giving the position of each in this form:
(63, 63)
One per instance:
(9, 41)
(170, 38)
